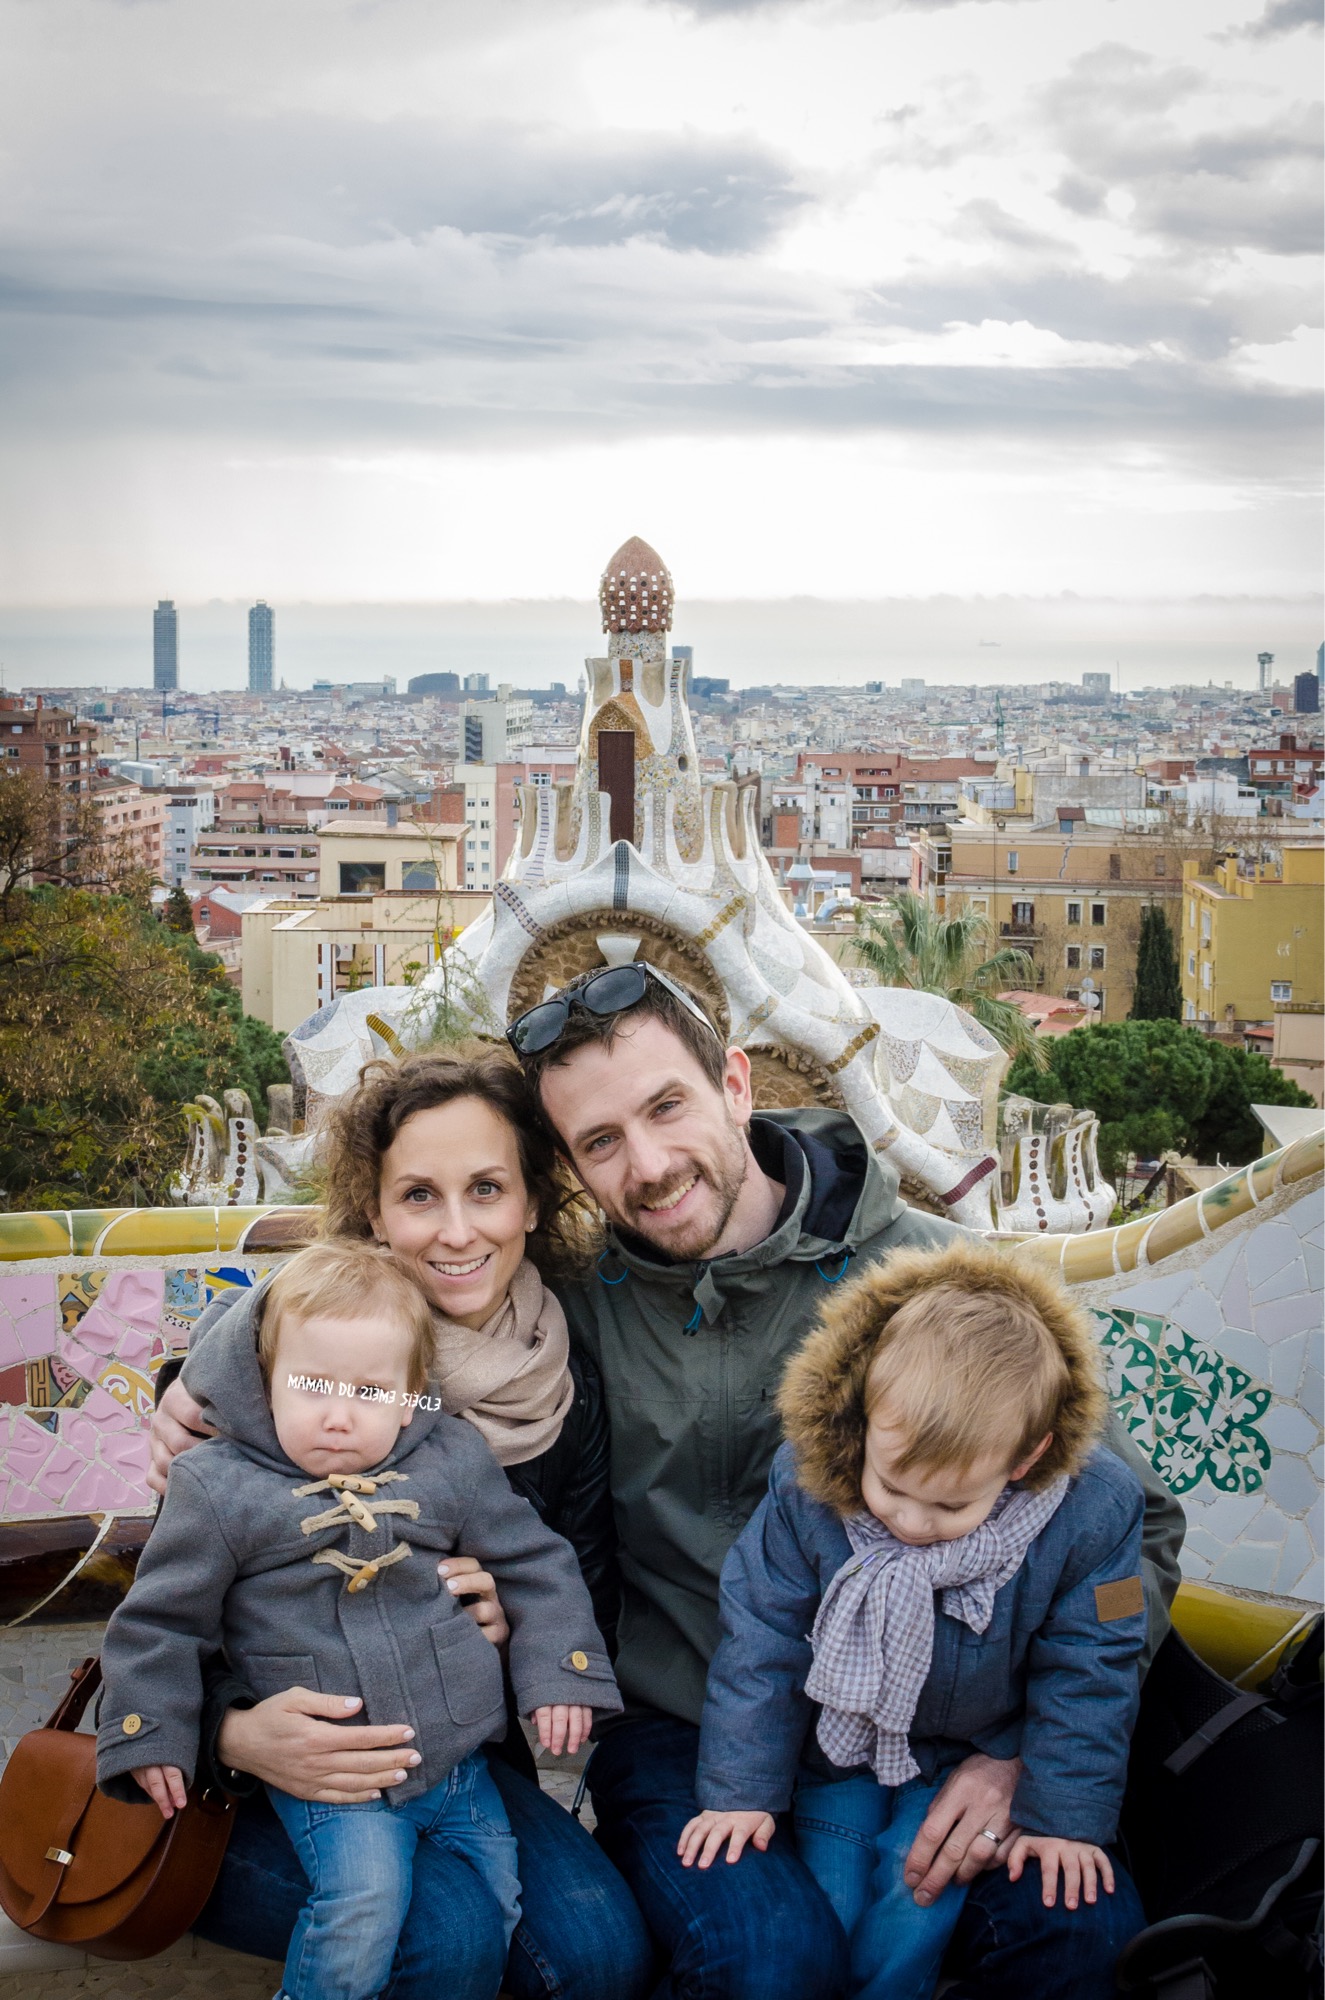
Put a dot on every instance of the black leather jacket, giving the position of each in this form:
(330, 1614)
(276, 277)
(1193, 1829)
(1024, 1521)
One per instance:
(567, 1485)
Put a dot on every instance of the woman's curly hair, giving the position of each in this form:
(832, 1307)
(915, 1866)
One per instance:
(363, 1125)
(989, 1352)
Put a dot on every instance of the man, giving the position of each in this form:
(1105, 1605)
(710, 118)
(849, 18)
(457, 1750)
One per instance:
(726, 1232)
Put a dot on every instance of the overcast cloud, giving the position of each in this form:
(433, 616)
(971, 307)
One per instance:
(423, 298)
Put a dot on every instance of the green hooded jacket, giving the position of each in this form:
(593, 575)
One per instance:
(691, 1355)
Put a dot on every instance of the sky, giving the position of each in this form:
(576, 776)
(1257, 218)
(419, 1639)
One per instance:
(403, 302)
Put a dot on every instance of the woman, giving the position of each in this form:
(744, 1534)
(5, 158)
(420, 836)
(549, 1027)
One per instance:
(439, 1157)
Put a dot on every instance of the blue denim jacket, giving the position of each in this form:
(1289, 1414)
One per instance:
(1053, 1680)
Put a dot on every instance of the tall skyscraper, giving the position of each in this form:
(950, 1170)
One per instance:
(165, 645)
(261, 648)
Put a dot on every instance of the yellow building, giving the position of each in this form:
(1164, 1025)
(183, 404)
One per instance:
(1252, 936)
(1070, 895)
(387, 898)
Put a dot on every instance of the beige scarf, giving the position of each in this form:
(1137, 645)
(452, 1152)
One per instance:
(510, 1377)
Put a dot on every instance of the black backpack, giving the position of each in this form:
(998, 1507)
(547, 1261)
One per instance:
(1222, 1828)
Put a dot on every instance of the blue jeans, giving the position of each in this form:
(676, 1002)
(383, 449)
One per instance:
(580, 1936)
(764, 1930)
(359, 1860)
(854, 1837)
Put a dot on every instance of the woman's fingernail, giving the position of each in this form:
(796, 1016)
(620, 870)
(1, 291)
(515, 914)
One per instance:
(351, 1701)
(374, 1795)
(400, 1777)
(923, 1900)
(408, 1737)
(443, 1569)
(454, 1583)
(414, 1758)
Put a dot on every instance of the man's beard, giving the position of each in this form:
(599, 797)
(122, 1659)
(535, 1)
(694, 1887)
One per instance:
(725, 1177)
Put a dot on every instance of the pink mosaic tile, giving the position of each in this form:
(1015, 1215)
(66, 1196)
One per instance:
(127, 1452)
(98, 1491)
(21, 1502)
(28, 1449)
(79, 1358)
(24, 1292)
(59, 1472)
(106, 1412)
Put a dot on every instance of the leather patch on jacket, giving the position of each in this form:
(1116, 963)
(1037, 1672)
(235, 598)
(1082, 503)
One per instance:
(1119, 1600)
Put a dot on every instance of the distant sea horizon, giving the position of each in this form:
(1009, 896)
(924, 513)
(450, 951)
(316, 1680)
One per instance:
(795, 641)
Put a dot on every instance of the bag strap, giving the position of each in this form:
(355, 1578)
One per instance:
(1196, 1745)
(83, 1684)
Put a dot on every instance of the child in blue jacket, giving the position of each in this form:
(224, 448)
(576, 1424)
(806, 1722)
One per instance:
(944, 1563)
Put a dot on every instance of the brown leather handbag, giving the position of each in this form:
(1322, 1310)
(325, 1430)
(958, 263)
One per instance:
(81, 1869)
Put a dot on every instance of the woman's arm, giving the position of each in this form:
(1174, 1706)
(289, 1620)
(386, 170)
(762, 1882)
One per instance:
(177, 1421)
(582, 1510)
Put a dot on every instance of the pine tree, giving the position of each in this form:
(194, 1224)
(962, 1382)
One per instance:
(178, 913)
(1158, 992)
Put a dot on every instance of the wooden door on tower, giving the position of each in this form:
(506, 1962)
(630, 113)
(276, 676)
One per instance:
(616, 777)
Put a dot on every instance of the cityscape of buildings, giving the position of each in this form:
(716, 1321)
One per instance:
(336, 836)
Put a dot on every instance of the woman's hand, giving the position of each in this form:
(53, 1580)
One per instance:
(291, 1741)
(477, 1591)
(973, 1804)
(1081, 1863)
(704, 1836)
(177, 1423)
(563, 1727)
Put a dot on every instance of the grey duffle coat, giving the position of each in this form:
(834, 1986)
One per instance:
(229, 1565)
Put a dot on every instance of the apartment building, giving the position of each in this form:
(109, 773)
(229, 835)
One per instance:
(49, 743)
(842, 795)
(1286, 773)
(1252, 936)
(134, 825)
(388, 897)
(1070, 896)
(190, 812)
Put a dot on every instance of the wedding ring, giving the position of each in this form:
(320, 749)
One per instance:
(987, 1833)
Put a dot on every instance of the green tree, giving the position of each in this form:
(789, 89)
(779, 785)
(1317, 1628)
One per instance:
(1157, 1086)
(1157, 995)
(108, 1023)
(178, 912)
(909, 944)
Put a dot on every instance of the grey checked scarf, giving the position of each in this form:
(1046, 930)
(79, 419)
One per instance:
(873, 1639)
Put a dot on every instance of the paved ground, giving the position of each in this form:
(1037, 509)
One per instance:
(35, 1662)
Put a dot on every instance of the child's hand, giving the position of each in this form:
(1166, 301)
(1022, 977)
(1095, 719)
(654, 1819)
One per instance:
(563, 1727)
(708, 1831)
(1079, 1861)
(164, 1785)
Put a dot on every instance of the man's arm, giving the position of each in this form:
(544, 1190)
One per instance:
(1162, 1531)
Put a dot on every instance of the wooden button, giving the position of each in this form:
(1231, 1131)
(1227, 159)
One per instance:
(132, 1724)
(579, 1661)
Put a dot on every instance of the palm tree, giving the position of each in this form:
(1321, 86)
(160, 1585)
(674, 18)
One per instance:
(909, 944)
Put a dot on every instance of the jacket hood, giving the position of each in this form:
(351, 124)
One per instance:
(822, 1399)
(847, 1194)
(224, 1377)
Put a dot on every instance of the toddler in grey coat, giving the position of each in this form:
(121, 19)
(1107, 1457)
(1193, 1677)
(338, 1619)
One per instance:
(303, 1540)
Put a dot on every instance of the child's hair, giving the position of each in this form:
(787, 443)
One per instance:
(338, 1281)
(973, 1350)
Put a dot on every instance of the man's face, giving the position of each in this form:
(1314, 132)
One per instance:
(660, 1148)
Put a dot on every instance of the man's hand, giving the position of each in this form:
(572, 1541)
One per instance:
(291, 1741)
(704, 1836)
(1078, 1859)
(164, 1785)
(563, 1726)
(955, 1841)
(477, 1591)
(177, 1423)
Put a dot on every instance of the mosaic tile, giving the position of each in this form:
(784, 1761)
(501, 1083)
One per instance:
(1290, 1483)
(1287, 1428)
(1297, 1556)
(1197, 1312)
(1288, 1358)
(1268, 1249)
(1288, 1283)
(1284, 1316)
(1246, 1565)
(1311, 1395)
(1235, 1297)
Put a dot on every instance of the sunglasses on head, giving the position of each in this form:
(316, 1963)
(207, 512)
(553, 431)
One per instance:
(613, 991)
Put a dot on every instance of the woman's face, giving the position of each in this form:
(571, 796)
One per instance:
(452, 1199)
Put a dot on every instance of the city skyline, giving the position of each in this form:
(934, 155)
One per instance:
(868, 300)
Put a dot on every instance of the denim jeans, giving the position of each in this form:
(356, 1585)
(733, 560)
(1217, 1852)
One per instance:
(359, 1860)
(580, 1935)
(854, 1837)
(764, 1930)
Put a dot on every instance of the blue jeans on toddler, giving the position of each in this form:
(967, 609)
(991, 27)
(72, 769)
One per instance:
(854, 1837)
(359, 1860)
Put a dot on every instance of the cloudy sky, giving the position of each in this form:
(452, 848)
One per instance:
(424, 299)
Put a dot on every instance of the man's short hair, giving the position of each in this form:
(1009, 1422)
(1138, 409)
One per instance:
(583, 1028)
(342, 1280)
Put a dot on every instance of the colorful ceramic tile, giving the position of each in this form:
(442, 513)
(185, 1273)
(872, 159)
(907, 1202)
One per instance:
(1192, 1411)
(78, 1290)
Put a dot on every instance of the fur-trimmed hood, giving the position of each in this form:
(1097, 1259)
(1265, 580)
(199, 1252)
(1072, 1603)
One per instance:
(822, 1398)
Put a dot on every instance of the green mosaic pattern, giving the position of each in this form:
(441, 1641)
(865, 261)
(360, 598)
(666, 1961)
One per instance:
(1192, 1412)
